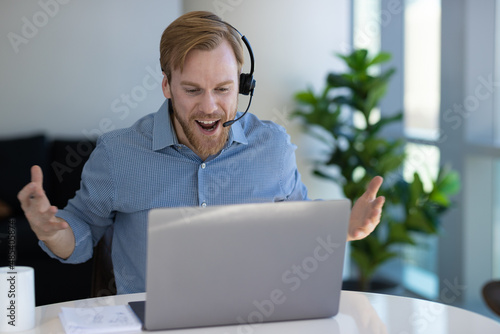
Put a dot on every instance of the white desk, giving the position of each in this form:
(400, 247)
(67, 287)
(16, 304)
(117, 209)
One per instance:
(359, 313)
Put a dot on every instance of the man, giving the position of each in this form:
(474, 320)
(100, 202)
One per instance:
(178, 156)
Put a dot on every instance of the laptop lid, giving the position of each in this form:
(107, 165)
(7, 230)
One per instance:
(242, 264)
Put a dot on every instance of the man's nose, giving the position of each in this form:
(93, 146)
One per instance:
(209, 103)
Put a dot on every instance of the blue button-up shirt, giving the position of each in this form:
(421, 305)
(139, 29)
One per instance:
(136, 169)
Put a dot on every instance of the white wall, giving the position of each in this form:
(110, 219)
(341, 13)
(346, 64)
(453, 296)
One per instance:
(74, 67)
(294, 44)
(86, 67)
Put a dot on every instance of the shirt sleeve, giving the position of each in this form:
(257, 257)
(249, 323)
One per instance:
(91, 211)
(290, 179)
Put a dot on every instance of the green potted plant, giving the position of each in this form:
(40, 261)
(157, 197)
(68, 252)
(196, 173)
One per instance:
(360, 152)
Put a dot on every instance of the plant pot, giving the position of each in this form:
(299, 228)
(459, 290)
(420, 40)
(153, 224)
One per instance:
(378, 285)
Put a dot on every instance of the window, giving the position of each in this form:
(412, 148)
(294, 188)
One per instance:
(447, 55)
(422, 34)
(496, 122)
(414, 27)
(420, 261)
(422, 43)
(496, 222)
(366, 25)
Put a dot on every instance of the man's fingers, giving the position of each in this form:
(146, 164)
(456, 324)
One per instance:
(56, 223)
(45, 222)
(374, 186)
(366, 212)
(37, 175)
(35, 199)
(379, 202)
(34, 188)
(50, 229)
(37, 208)
(375, 211)
(25, 193)
(38, 192)
(364, 230)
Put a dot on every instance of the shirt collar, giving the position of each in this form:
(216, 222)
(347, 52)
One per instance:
(163, 129)
(164, 133)
(236, 134)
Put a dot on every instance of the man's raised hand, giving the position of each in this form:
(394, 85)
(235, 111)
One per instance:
(55, 232)
(366, 212)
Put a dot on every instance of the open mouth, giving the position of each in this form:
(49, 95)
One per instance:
(208, 126)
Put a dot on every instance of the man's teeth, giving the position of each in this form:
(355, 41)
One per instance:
(208, 125)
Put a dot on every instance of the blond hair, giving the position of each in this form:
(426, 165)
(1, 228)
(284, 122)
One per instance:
(195, 30)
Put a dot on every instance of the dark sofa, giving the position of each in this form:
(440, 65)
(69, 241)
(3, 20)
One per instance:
(62, 162)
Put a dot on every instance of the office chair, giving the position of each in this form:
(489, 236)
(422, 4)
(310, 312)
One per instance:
(103, 277)
(491, 295)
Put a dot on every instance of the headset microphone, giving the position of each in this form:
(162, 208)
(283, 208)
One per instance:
(228, 123)
(247, 82)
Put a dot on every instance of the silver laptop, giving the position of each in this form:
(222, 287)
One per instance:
(243, 264)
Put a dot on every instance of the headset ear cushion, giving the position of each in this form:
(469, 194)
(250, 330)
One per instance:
(247, 83)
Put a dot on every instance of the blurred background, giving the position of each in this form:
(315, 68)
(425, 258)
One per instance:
(76, 69)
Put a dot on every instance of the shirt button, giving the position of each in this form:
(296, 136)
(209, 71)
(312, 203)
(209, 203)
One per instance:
(203, 165)
(203, 205)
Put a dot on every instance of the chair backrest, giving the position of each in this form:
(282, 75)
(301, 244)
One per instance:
(491, 295)
(103, 277)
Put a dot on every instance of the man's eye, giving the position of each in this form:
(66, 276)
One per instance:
(192, 91)
(223, 89)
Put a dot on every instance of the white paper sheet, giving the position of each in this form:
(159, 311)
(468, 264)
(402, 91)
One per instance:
(103, 319)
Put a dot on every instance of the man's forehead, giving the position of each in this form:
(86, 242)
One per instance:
(218, 64)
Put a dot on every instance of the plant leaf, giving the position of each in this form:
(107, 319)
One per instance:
(439, 197)
(338, 80)
(382, 57)
(416, 189)
(306, 97)
(448, 181)
(386, 121)
(399, 234)
(416, 221)
(360, 152)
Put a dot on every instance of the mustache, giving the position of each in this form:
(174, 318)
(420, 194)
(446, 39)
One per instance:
(205, 117)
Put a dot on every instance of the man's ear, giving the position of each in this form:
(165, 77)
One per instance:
(165, 86)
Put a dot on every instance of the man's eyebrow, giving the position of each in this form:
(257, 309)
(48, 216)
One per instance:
(227, 82)
(194, 84)
(189, 83)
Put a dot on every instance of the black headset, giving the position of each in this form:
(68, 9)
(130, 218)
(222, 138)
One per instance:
(247, 82)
